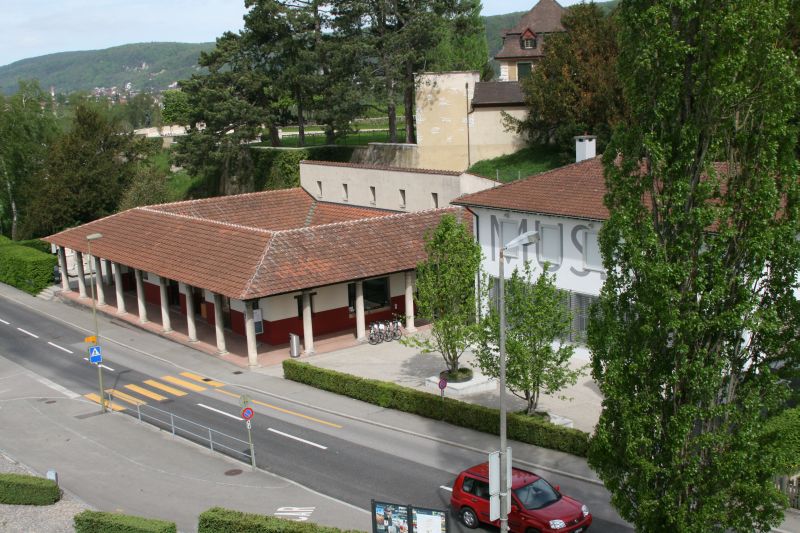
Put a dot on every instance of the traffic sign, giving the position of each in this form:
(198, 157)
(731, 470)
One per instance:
(442, 383)
(248, 424)
(244, 399)
(247, 413)
(91, 338)
(95, 355)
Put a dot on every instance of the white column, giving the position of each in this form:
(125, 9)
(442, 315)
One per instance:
(118, 288)
(360, 322)
(140, 296)
(219, 326)
(308, 328)
(250, 332)
(62, 264)
(98, 281)
(191, 327)
(166, 324)
(81, 276)
(410, 302)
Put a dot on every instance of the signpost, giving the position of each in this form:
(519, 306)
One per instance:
(442, 386)
(247, 414)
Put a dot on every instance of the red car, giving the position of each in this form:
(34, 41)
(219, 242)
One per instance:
(536, 506)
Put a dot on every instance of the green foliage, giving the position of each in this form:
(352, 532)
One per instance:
(783, 432)
(536, 318)
(699, 309)
(285, 170)
(520, 164)
(220, 520)
(446, 291)
(575, 89)
(36, 244)
(20, 489)
(100, 522)
(26, 268)
(176, 107)
(148, 187)
(112, 67)
(531, 430)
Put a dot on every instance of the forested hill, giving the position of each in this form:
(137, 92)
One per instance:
(145, 65)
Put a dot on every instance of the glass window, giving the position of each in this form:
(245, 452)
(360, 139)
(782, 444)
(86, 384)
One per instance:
(402, 198)
(372, 195)
(579, 306)
(550, 244)
(591, 252)
(476, 487)
(299, 299)
(523, 70)
(528, 44)
(376, 294)
(537, 495)
(344, 192)
(435, 199)
(319, 189)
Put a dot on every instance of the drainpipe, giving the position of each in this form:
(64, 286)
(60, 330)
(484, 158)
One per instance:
(469, 112)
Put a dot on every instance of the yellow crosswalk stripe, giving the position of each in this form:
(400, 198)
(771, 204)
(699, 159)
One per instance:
(201, 379)
(118, 395)
(182, 383)
(165, 388)
(96, 399)
(145, 392)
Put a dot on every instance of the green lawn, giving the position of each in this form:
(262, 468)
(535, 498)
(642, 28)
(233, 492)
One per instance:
(179, 184)
(524, 163)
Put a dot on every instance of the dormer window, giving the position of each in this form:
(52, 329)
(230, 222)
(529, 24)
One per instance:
(528, 44)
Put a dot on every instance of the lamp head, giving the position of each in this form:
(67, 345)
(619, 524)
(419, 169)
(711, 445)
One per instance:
(527, 238)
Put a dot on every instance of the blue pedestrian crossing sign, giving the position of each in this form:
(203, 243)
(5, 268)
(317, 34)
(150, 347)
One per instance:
(95, 355)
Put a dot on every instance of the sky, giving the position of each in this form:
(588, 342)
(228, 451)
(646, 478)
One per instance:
(30, 28)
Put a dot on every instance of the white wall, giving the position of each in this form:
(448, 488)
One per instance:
(569, 265)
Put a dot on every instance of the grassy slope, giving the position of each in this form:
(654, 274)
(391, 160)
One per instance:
(521, 164)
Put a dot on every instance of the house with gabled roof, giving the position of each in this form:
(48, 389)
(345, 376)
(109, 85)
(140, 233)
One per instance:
(261, 265)
(524, 44)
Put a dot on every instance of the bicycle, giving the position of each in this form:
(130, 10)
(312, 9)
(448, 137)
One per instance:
(397, 328)
(375, 335)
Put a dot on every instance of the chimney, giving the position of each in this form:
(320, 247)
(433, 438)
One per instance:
(585, 147)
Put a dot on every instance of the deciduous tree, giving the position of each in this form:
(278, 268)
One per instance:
(702, 258)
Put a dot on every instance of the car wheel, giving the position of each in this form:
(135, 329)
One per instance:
(469, 518)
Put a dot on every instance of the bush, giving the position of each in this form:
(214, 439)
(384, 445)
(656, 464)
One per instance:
(99, 522)
(783, 432)
(219, 520)
(36, 244)
(19, 489)
(531, 430)
(26, 268)
(279, 168)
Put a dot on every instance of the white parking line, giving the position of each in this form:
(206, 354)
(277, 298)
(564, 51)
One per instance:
(449, 489)
(320, 446)
(220, 412)
(101, 365)
(28, 333)
(4, 322)
(54, 345)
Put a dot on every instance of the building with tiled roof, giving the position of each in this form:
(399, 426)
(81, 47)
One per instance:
(524, 44)
(262, 265)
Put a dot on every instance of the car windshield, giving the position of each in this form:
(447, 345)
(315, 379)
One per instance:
(537, 495)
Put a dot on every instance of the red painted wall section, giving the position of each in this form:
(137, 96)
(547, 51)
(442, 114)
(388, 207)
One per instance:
(152, 293)
(237, 322)
(210, 313)
(182, 298)
(128, 281)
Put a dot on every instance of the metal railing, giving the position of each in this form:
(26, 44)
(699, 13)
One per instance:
(216, 440)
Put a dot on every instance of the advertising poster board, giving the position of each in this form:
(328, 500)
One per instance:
(389, 517)
(428, 520)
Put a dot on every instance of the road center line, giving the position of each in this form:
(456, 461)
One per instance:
(220, 412)
(28, 333)
(449, 489)
(280, 409)
(320, 446)
(59, 347)
(4, 322)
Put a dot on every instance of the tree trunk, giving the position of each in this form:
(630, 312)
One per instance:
(301, 127)
(408, 101)
(391, 110)
(12, 202)
(274, 136)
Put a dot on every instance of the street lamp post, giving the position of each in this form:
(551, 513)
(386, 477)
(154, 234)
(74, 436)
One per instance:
(89, 239)
(525, 239)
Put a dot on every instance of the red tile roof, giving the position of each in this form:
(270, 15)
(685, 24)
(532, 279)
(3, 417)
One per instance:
(254, 245)
(574, 191)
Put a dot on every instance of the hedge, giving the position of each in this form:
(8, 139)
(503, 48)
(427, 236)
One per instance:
(36, 244)
(220, 520)
(99, 522)
(530, 430)
(20, 489)
(26, 268)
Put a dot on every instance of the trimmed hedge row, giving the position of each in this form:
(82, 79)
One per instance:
(523, 428)
(25, 267)
(99, 522)
(221, 520)
(20, 489)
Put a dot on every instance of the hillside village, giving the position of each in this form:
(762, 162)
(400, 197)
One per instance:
(635, 299)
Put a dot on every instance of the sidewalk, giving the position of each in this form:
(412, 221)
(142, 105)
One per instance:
(388, 361)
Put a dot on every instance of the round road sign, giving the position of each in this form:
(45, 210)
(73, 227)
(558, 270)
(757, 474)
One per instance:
(247, 413)
(442, 383)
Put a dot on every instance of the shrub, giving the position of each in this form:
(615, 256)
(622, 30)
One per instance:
(26, 268)
(99, 522)
(531, 430)
(220, 520)
(19, 489)
(783, 432)
(36, 244)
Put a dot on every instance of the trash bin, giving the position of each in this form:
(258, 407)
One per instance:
(294, 345)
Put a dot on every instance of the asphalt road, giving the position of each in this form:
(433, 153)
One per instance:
(337, 456)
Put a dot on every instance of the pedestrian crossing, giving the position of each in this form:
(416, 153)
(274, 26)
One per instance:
(157, 390)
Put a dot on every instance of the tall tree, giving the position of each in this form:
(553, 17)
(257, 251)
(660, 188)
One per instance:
(27, 131)
(537, 324)
(702, 257)
(575, 89)
(176, 107)
(446, 294)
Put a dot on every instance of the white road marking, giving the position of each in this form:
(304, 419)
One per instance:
(320, 446)
(59, 347)
(449, 489)
(56, 387)
(28, 333)
(4, 322)
(220, 412)
(100, 365)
